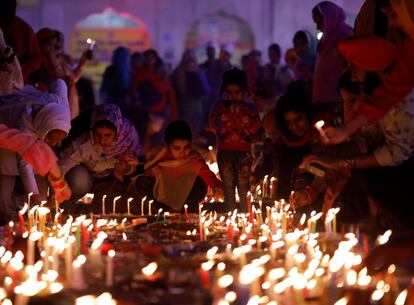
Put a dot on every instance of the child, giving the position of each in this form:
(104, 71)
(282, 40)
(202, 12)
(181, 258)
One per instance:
(235, 121)
(176, 174)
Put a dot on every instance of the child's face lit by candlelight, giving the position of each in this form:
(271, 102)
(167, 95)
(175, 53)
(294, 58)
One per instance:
(179, 149)
(234, 93)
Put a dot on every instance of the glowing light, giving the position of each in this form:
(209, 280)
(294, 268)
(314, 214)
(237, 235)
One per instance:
(225, 281)
(150, 269)
(401, 297)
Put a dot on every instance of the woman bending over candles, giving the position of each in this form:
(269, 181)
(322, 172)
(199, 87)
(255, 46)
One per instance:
(39, 155)
(45, 116)
(107, 154)
(176, 174)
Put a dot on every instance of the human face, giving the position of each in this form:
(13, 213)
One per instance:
(104, 136)
(301, 47)
(54, 137)
(179, 149)
(274, 56)
(296, 122)
(393, 20)
(318, 20)
(358, 75)
(350, 105)
(234, 93)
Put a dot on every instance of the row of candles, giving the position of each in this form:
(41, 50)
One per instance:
(290, 256)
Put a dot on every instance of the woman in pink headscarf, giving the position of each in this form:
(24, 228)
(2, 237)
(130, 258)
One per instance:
(330, 20)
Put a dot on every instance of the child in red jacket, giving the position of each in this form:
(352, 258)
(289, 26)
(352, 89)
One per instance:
(235, 122)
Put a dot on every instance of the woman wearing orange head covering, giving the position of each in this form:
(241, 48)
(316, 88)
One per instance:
(386, 170)
(398, 83)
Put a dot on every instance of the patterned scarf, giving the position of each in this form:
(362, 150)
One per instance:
(127, 143)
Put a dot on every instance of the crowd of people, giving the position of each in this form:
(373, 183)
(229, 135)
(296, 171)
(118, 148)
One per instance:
(148, 131)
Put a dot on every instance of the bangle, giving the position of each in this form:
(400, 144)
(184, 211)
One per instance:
(349, 164)
(311, 192)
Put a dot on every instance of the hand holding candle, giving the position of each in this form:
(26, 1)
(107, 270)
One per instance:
(319, 126)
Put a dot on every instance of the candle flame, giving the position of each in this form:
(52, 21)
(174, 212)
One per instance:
(150, 269)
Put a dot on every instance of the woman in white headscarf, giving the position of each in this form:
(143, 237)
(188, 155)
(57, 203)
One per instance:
(44, 115)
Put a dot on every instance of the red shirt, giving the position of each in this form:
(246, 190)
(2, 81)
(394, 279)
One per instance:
(21, 37)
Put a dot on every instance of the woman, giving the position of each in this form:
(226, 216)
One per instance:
(191, 88)
(386, 169)
(176, 174)
(44, 115)
(293, 117)
(305, 48)
(155, 95)
(330, 20)
(116, 79)
(110, 151)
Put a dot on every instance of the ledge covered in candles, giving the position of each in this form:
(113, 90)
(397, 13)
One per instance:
(271, 255)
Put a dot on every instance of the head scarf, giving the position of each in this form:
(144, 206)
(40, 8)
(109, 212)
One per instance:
(49, 117)
(334, 26)
(405, 12)
(359, 51)
(127, 142)
(121, 60)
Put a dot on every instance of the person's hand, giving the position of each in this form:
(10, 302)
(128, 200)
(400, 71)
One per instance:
(390, 253)
(300, 199)
(218, 193)
(61, 188)
(327, 162)
(124, 166)
(336, 135)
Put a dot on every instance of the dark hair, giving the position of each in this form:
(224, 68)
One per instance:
(382, 3)
(178, 129)
(316, 11)
(346, 83)
(372, 81)
(104, 123)
(298, 101)
(234, 76)
(159, 63)
(300, 35)
(275, 47)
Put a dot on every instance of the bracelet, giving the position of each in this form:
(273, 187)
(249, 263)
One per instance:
(311, 192)
(349, 164)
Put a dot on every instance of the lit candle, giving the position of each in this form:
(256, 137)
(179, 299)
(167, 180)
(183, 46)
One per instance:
(249, 206)
(29, 196)
(41, 213)
(200, 222)
(158, 214)
(78, 282)
(142, 205)
(273, 187)
(103, 204)
(318, 125)
(31, 242)
(129, 205)
(21, 218)
(69, 258)
(187, 219)
(110, 268)
(114, 204)
(150, 207)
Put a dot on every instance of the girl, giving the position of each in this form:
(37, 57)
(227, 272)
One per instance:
(235, 122)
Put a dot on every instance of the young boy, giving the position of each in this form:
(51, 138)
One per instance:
(176, 174)
(235, 122)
